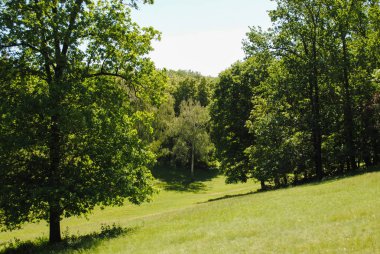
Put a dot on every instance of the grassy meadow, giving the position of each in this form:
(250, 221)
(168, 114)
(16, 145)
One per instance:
(208, 216)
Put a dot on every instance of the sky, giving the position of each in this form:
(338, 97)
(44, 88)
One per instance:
(201, 35)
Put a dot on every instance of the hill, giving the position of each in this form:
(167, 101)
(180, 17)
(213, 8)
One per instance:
(336, 216)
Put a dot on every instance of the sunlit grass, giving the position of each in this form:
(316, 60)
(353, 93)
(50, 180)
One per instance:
(163, 202)
(337, 216)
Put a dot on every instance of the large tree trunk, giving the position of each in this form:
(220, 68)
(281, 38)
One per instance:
(54, 181)
(54, 225)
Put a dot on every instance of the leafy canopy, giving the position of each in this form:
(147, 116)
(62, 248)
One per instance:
(75, 86)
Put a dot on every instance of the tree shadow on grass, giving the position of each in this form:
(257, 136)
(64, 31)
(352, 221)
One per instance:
(230, 196)
(179, 179)
(69, 244)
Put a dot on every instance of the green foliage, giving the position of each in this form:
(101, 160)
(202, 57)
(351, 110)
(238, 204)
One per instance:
(230, 109)
(280, 145)
(100, 147)
(163, 122)
(73, 109)
(186, 85)
(190, 132)
(303, 104)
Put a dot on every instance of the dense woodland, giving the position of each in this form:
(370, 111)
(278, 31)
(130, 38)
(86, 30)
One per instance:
(306, 101)
(304, 104)
(82, 125)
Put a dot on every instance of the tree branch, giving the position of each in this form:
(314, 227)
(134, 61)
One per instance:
(24, 44)
(73, 17)
(110, 74)
(104, 73)
(44, 51)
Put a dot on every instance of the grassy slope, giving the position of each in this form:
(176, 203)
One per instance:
(333, 217)
(340, 216)
(180, 197)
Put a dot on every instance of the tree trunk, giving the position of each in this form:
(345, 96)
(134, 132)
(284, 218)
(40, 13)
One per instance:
(376, 151)
(54, 181)
(295, 180)
(348, 117)
(54, 225)
(263, 186)
(192, 161)
(316, 129)
(315, 104)
(285, 180)
(277, 182)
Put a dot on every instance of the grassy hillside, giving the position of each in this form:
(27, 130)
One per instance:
(340, 216)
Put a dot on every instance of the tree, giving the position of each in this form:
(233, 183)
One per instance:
(299, 27)
(162, 125)
(346, 22)
(231, 107)
(186, 90)
(203, 94)
(186, 85)
(281, 143)
(69, 116)
(364, 48)
(182, 86)
(318, 86)
(191, 134)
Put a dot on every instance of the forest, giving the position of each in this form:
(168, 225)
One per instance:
(85, 115)
(303, 105)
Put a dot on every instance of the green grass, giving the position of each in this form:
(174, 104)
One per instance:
(337, 216)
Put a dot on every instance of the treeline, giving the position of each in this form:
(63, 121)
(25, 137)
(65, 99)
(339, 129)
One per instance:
(306, 101)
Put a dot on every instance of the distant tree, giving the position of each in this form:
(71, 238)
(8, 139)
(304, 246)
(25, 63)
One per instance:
(186, 90)
(182, 86)
(186, 85)
(203, 93)
(72, 76)
(162, 125)
(190, 131)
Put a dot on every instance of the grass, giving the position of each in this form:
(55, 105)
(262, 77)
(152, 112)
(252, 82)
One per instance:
(336, 216)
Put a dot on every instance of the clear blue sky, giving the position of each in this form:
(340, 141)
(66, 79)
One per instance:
(202, 35)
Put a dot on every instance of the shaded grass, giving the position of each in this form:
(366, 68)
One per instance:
(179, 179)
(70, 243)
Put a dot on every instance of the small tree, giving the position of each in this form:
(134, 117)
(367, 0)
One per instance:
(191, 134)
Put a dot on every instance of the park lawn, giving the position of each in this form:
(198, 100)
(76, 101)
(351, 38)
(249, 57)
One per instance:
(336, 216)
